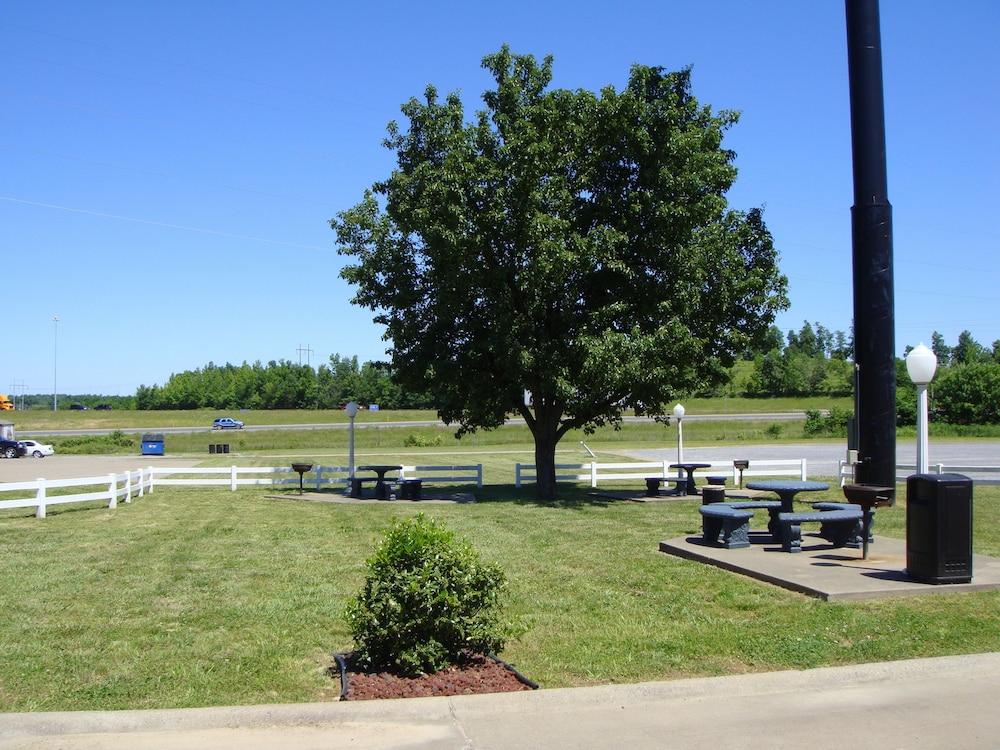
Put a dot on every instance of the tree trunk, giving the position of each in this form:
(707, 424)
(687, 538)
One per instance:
(545, 460)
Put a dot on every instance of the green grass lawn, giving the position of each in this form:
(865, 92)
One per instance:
(194, 596)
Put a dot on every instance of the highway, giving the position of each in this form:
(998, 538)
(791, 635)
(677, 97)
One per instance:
(757, 417)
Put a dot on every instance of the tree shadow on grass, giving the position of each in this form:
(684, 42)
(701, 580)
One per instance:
(567, 496)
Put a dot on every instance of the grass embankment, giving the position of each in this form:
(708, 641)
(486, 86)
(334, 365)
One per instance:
(38, 419)
(205, 597)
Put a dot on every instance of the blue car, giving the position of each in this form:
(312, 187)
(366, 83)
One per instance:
(227, 423)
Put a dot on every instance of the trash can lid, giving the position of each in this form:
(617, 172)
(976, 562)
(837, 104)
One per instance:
(153, 437)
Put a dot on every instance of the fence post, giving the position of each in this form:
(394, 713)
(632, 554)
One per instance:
(152, 479)
(232, 479)
(940, 468)
(142, 481)
(803, 470)
(128, 486)
(113, 490)
(593, 473)
(517, 476)
(666, 468)
(319, 477)
(40, 497)
(479, 476)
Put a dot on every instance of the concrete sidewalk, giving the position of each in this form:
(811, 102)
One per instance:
(923, 703)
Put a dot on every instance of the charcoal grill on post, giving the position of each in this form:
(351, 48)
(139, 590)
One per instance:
(301, 469)
(869, 496)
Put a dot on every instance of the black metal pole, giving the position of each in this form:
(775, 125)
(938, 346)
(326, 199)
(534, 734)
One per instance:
(871, 225)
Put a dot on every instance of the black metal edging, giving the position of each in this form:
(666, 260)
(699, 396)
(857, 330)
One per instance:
(342, 666)
(520, 677)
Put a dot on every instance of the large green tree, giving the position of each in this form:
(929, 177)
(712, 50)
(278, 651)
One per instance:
(573, 244)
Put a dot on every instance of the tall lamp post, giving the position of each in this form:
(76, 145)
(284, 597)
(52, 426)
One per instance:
(55, 362)
(679, 416)
(352, 412)
(921, 364)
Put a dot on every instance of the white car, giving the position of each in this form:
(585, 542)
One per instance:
(36, 449)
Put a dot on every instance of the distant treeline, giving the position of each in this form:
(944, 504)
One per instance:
(812, 361)
(69, 400)
(280, 385)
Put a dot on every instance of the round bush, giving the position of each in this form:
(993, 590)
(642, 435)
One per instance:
(427, 598)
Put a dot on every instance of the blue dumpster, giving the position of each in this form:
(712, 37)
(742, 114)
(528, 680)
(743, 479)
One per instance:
(152, 444)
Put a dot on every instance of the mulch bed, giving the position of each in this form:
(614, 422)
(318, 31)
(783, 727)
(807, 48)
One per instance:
(474, 674)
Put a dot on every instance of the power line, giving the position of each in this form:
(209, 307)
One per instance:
(151, 222)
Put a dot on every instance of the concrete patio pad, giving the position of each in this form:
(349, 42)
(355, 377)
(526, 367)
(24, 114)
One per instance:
(832, 574)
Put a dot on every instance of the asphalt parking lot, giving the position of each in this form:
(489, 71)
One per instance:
(58, 466)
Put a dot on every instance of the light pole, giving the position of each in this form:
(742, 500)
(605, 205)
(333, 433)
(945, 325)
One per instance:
(679, 416)
(352, 412)
(55, 362)
(920, 366)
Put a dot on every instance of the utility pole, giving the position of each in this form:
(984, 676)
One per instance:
(871, 233)
(55, 362)
(304, 350)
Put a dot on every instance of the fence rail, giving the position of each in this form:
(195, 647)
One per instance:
(845, 471)
(114, 487)
(111, 488)
(596, 472)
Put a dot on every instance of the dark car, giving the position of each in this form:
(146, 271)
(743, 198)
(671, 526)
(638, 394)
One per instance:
(103, 407)
(11, 448)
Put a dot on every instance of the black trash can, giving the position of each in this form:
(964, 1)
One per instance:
(939, 528)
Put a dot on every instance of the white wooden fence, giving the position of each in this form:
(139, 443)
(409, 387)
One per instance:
(845, 472)
(595, 472)
(114, 487)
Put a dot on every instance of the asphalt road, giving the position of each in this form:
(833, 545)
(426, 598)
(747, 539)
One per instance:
(768, 417)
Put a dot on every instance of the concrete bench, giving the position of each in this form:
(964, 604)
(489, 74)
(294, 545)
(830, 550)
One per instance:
(410, 489)
(831, 534)
(732, 523)
(653, 484)
(841, 526)
(773, 507)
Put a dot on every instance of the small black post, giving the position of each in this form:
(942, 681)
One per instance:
(871, 223)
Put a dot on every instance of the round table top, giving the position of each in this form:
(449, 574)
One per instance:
(787, 485)
(689, 466)
(379, 468)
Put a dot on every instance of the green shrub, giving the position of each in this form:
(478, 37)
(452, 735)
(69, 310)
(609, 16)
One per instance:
(773, 430)
(835, 423)
(419, 441)
(427, 598)
(114, 442)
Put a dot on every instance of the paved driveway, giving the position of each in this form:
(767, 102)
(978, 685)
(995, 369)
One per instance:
(821, 458)
(69, 467)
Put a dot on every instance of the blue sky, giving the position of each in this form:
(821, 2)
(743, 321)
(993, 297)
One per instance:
(167, 170)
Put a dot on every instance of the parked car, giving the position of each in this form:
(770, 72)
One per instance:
(11, 448)
(36, 449)
(78, 407)
(103, 407)
(227, 423)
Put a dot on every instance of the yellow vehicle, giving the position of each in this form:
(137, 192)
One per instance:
(5, 403)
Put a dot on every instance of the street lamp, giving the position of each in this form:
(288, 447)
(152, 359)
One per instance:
(920, 366)
(679, 416)
(55, 362)
(352, 412)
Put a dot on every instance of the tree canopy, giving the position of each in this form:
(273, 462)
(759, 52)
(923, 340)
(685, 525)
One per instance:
(573, 244)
